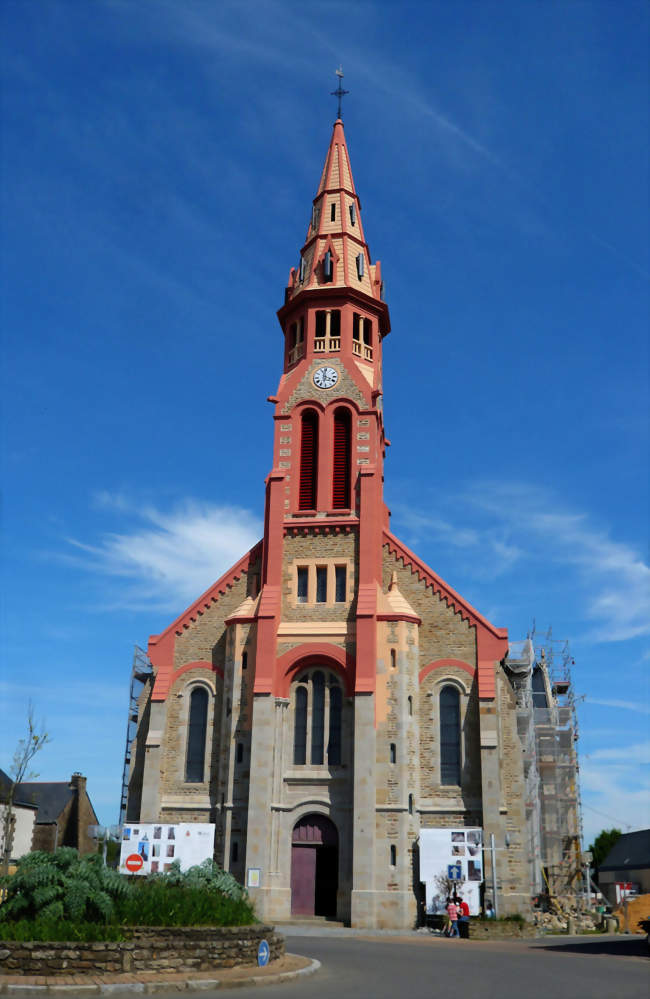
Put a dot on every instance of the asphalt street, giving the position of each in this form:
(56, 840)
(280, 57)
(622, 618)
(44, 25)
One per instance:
(425, 967)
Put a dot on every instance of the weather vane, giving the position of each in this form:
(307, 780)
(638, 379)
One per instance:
(339, 92)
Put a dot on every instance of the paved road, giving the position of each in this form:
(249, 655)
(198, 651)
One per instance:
(424, 967)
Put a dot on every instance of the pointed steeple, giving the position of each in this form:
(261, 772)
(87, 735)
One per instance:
(335, 253)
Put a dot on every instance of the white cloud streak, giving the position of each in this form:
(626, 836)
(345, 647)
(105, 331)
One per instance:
(637, 706)
(521, 524)
(166, 558)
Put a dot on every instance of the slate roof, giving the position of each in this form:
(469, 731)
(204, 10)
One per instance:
(50, 798)
(630, 852)
(5, 786)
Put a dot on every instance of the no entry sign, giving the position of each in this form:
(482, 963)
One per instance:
(133, 862)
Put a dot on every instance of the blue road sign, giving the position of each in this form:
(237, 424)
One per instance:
(263, 954)
(454, 872)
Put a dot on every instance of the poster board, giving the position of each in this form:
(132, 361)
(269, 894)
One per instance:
(443, 848)
(159, 844)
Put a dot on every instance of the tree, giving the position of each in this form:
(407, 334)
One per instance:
(19, 771)
(601, 846)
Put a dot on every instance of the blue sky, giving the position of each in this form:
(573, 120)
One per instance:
(159, 161)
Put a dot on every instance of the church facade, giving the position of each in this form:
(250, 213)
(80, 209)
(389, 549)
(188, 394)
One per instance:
(330, 696)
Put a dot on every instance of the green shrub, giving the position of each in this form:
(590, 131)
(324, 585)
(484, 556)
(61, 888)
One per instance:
(66, 897)
(158, 903)
(59, 886)
(63, 930)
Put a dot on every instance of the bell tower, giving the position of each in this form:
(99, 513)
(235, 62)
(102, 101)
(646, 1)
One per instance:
(329, 440)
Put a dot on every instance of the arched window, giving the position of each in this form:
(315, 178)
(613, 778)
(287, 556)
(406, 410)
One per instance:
(318, 718)
(317, 712)
(308, 460)
(334, 744)
(449, 736)
(341, 469)
(196, 731)
(300, 728)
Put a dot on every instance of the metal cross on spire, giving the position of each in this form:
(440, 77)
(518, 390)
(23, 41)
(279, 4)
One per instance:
(339, 92)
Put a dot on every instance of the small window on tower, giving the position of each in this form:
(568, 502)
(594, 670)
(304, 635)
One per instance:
(293, 335)
(367, 332)
(328, 266)
(360, 265)
(356, 326)
(244, 660)
(239, 754)
(335, 325)
(333, 212)
(235, 852)
(303, 583)
(353, 214)
(315, 214)
(393, 753)
(321, 584)
(341, 584)
(303, 269)
(321, 326)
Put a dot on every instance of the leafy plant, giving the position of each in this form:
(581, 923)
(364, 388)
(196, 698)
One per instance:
(62, 886)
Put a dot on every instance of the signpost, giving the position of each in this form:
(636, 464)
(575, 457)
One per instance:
(133, 862)
(454, 872)
(263, 954)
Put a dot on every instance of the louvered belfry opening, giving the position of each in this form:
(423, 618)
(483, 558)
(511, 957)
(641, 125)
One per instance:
(341, 471)
(308, 460)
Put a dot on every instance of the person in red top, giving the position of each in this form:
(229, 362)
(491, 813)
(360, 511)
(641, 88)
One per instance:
(452, 912)
(463, 918)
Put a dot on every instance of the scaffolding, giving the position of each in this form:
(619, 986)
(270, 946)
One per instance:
(540, 674)
(556, 737)
(141, 673)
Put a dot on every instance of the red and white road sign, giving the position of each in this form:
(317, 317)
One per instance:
(133, 862)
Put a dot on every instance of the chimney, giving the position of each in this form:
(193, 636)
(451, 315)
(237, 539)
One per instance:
(78, 782)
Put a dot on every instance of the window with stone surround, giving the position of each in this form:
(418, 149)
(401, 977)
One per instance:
(308, 460)
(449, 736)
(322, 584)
(196, 733)
(317, 702)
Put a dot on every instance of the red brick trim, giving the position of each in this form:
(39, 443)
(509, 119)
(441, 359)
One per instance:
(311, 654)
(197, 664)
(443, 664)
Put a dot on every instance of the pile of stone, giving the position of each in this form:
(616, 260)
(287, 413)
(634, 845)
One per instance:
(565, 916)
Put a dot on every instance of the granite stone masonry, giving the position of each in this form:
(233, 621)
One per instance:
(156, 948)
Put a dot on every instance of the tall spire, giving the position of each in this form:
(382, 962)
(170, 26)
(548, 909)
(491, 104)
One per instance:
(335, 253)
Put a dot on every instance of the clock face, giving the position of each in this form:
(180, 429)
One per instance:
(326, 378)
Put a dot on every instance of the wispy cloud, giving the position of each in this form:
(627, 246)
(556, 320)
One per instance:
(161, 558)
(637, 706)
(515, 524)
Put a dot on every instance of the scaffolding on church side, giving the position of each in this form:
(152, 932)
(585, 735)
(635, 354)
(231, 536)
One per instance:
(540, 674)
(556, 737)
(141, 673)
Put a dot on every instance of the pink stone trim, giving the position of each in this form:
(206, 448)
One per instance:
(443, 664)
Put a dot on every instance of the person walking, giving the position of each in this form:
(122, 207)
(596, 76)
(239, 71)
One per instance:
(452, 912)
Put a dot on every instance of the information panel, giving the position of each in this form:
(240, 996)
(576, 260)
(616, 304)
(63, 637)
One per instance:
(445, 852)
(159, 844)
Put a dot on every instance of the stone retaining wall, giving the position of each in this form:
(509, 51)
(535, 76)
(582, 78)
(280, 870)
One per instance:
(495, 929)
(150, 948)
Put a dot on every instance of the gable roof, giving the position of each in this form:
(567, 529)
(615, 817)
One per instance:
(6, 784)
(50, 798)
(630, 852)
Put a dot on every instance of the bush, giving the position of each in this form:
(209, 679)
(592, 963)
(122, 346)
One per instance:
(64, 930)
(53, 887)
(62, 896)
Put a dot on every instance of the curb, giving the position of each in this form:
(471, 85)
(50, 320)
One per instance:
(162, 985)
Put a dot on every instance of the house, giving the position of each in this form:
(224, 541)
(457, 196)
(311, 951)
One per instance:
(48, 814)
(626, 868)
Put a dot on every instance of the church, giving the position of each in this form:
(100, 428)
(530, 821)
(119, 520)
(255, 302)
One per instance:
(330, 697)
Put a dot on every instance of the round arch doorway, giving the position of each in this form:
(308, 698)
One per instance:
(314, 867)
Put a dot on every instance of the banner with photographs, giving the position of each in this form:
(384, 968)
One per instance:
(441, 849)
(159, 844)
